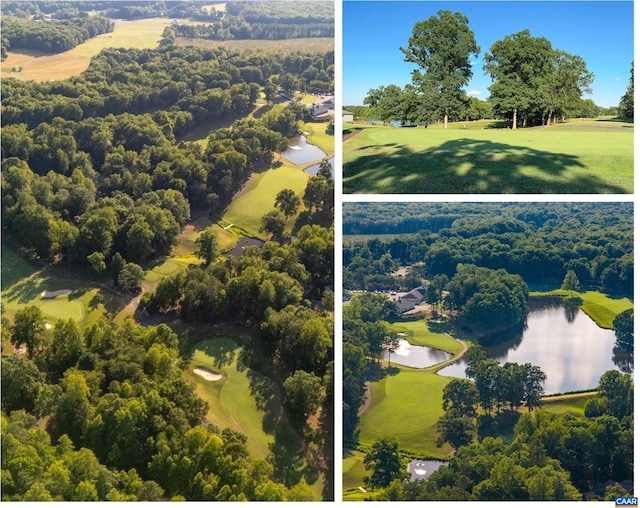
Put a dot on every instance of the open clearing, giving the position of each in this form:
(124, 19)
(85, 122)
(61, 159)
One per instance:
(23, 285)
(308, 45)
(573, 158)
(39, 66)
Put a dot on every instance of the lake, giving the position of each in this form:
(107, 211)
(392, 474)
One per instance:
(562, 340)
(300, 152)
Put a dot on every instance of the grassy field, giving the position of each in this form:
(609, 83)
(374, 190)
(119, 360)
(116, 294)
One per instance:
(418, 334)
(601, 308)
(231, 402)
(183, 254)
(581, 158)
(310, 45)
(259, 194)
(406, 407)
(38, 66)
(317, 136)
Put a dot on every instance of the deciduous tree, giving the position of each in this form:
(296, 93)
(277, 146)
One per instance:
(441, 46)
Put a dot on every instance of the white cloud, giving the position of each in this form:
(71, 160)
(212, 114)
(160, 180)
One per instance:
(474, 92)
(617, 78)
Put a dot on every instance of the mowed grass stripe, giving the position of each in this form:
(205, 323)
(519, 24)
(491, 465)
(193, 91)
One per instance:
(259, 195)
(554, 160)
(405, 407)
(231, 403)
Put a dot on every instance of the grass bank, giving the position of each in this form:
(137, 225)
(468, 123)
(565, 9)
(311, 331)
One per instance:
(557, 160)
(601, 308)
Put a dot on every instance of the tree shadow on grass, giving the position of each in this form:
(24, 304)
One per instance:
(471, 166)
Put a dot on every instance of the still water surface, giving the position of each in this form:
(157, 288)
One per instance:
(416, 356)
(563, 341)
(300, 152)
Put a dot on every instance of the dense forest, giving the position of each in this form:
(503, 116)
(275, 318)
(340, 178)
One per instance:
(97, 182)
(50, 36)
(538, 242)
(122, 424)
(92, 164)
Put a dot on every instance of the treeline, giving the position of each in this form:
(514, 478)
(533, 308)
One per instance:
(551, 457)
(230, 29)
(539, 242)
(122, 424)
(50, 36)
(138, 81)
(395, 105)
(263, 20)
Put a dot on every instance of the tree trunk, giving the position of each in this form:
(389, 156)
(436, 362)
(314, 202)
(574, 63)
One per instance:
(514, 125)
(549, 119)
(446, 120)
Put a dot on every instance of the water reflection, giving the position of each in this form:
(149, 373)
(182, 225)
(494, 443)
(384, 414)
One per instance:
(567, 345)
(300, 152)
(416, 356)
(313, 170)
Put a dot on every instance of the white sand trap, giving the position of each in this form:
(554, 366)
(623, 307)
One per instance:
(48, 326)
(207, 374)
(53, 294)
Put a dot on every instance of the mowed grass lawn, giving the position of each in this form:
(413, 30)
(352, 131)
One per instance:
(39, 66)
(418, 334)
(231, 403)
(23, 283)
(259, 194)
(577, 159)
(405, 407)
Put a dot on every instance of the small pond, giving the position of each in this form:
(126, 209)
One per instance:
(313, 170)
(423, 469)
(300, 152)
(562, 340)
(245, 241)
(416, 356)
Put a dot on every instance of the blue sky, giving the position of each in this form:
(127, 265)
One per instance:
(600, 32)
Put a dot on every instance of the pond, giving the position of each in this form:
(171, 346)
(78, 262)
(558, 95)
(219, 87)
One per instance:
(245, 241)
(313, 170)
(423, 469)
(300, 152)
(562, 340)
(418, 357)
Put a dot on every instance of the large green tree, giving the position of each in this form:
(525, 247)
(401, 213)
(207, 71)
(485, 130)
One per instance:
(519, 66)
(441, 46)
(385, 464)
(28, 329)
(568, 80)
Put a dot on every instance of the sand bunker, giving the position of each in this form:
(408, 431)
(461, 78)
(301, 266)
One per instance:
(207, 374)
(53, 294)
